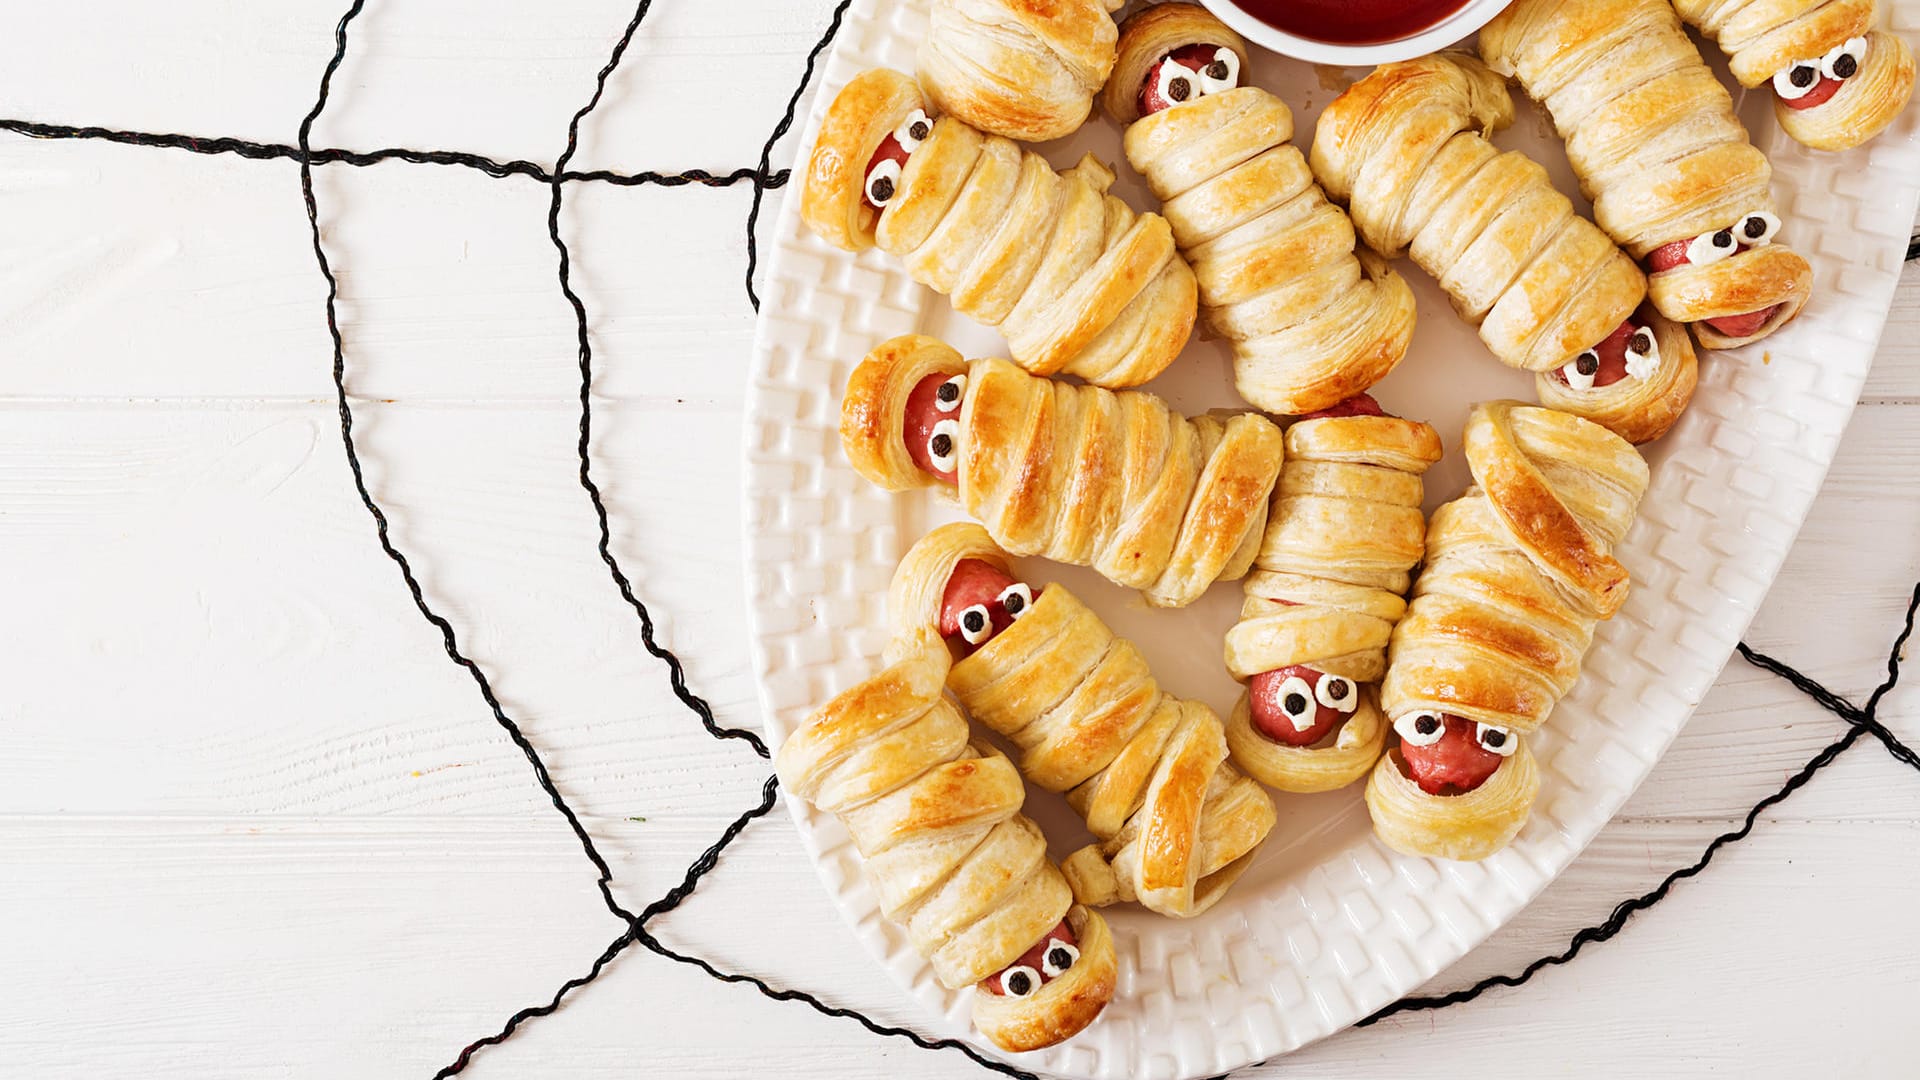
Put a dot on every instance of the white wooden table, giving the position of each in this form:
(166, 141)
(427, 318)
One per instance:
(254, 824)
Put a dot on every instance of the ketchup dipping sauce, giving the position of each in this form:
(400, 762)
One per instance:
(1351, 22)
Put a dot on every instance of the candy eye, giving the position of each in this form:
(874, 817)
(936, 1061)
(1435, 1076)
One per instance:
(1176, 83)
(1757, 228)
(882, 182)
(1337, 693)
(1420, 728)
(913, 131)
(1495, 740)
(947, 397)
(943, 446)
(1844, 61)
(1016, 599)
(1296, 702)
(1797, 81)
(1643, 353)
(1580, 370)
(1019, 981)
(976, 625)
(1058, 958)
(1222, 73)
(1708, 248)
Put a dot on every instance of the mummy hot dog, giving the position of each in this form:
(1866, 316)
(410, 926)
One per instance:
(1113, 480)
(1016, 68)
(1517, 573)
(1659, 150)
(1312, 321)
(1837, 81)
(1549, 292)
(1148, 771)
(938, 824)
(1076, 281)
(1326, 590)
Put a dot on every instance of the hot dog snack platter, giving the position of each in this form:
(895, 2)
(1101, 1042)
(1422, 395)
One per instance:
(1328, 924)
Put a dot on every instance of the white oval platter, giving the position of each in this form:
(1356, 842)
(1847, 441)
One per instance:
(1328, 925)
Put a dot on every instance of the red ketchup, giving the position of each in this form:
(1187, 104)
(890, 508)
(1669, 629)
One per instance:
(1035, 961)
(922, 413)
(1453, 766)
(1357, 405)
(890, 150)
(1352, 22)
(1268, 707)
(1822, 90)
(974, 582)
(1612, 351)
(1668, 256)
(1192, 57)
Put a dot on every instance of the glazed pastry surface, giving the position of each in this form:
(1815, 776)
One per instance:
(1017, 68)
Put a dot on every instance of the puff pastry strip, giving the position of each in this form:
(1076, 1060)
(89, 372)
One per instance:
(1148, 771)
(1114, 480)
(1404, 149)
(1518, 571)
(1654, 139)
(952, 859)
(1017, 68)
(1311, 320)
(1326, 591)
(1077, 282)
(1767, 40)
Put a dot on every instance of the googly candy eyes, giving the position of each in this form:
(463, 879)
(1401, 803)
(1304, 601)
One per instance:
(913, 131)
(1798, 80)
(1058, 958)
(1643, 353)
(1711, 247)
(1845, 59)
(1016, 599)
(1220, 74)
(1580, 370)
(976, 625)
(1337, 693)
(1019, 981)
(1495, 740)
(1420, 728)
(943, 446)
(947, 396)
(1296, 703)
(882, 182)
(1177, 83)
(1757, 228)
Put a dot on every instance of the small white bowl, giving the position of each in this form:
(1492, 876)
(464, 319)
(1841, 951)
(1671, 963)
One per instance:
(1467, 20)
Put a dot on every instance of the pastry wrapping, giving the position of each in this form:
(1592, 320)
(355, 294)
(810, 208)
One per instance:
(937, 821)
(1799, 45)
(1326, 591)
(1653, 137)
(1405, 149)
(1016, 68)
(1518, 572)
(1114, 480)
(1176, 821)
(1075, 280)
(1312, 321)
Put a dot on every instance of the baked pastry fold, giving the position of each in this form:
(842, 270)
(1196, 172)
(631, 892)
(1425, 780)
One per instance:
(1016, 68)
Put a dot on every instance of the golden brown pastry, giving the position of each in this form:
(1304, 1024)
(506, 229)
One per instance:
(1837, 81)
(949, 854)
(1025, 69)
(1312, 321)
(1518, 571)
(1327, 588)
(1653, 137)
(1153, 500)
(1177, 823)
(1076, 281)
(1405, 149)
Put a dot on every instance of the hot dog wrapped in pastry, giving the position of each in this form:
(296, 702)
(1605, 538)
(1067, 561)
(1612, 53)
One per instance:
(1114, 480)
(1148, 771)
(1518, 571)
(1312, 321)
(1016, 68)
(1326, 590)
(1404, 149)
(1077, 282)
(949, 854)
(1653, 137)
(1837, 81)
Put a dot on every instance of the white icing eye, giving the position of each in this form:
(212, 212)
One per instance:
(1757, 228)
(1420, 728)
(1016, 598)
(1176, 83)
(1337, 693)
(1497, 740)
(1296, 702)
(1793, 83)
(976, 625)
(1643, 353)
(1709, 248)
(1222, 73)
(947, 397)
(943, 446)
(1019, 981)
(1580, 370)
(882, 182)
(1058, 958)
(1845, 59)
(913, 131)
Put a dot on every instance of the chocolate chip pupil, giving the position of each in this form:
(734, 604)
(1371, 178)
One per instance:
(1642, 343)
(1019, 983)
(882, 189)
(1060, 958)
(1845, 67)
(1218, 69)
(1723, 238)
(976, 621)
(1755, 227)
(1586, 363)
(919, 130)
(1178, 89)
(941, 444)
(1014, 603)
(1426, 725)
(1295, 703)
(1802, 76)
(948, 392)
(1336, 689)
(1496, 738)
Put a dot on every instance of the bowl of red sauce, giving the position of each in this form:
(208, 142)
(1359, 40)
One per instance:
(1353, 32)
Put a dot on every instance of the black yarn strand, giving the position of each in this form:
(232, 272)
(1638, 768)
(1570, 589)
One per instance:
(780, 129)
